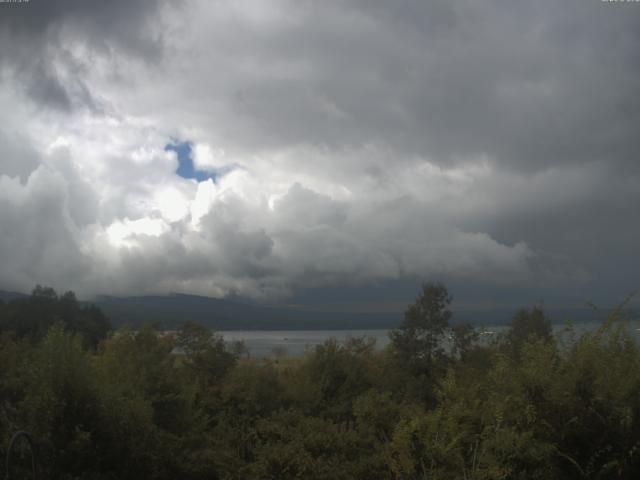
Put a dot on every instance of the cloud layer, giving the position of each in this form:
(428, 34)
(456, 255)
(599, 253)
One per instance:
(350, 143)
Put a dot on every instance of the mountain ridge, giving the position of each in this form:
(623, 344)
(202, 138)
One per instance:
(170, 311)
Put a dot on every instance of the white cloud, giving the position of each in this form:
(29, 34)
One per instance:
(124, 233)
(206, 158)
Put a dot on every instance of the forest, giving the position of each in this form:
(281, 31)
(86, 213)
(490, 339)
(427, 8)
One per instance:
(438, 403)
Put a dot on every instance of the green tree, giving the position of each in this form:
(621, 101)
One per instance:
(333, 375)
(464, 338)
(418, 341)
(32, 317)
(205, 352)
(528, 325)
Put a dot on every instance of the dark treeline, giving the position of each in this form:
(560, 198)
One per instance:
(31, 317)
(435, 404)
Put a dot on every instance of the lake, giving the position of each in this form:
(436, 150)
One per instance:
(268, 343)
(294, 343)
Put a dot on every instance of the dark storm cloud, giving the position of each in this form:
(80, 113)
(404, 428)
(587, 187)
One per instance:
(122, 22)
(547, 92)
(530, 85)
(590, 218)
(371, 141)
(39, 33)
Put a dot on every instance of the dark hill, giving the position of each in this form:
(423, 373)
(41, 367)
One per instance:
(8, 296)
(171, 310)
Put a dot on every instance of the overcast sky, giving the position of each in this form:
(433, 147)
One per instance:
(321, 151)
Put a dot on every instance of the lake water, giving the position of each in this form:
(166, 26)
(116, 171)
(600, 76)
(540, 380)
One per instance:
(296, 342)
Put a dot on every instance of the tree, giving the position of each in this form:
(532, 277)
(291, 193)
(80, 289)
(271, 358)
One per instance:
(418, 340)
(464, 338)
(332, 376)
(32, 317)
(526, 325)
(205, 352)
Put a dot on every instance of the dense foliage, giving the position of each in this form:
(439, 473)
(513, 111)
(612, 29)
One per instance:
(437, 403)
(31, 317)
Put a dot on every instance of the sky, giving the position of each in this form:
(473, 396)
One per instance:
(324, 153)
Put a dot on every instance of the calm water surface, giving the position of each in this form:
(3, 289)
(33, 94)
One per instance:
(296, 342)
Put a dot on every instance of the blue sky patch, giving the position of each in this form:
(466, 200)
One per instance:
(186, 168)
